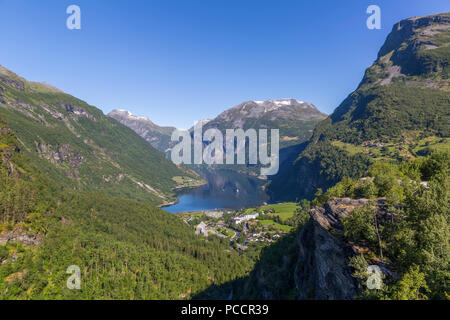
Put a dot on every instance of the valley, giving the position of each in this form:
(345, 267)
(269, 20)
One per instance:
(364, 188)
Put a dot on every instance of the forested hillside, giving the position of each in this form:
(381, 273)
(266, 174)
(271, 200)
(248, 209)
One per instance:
(124, 248)
(79, 147)
(399, 111)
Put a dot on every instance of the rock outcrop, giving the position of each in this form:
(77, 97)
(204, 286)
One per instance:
(314, 264)
(322, 270)
(20, 236)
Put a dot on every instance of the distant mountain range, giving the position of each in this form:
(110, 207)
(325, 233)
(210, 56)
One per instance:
(158, 137)
(295, 120)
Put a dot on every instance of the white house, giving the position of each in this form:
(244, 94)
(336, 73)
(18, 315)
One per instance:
(201, 229)
(248, 217)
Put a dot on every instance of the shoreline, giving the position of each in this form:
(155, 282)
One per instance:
(179, 191)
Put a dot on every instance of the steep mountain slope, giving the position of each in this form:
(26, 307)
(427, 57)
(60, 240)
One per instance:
(295, 119)
(400, 110)
(125, 249)
(158, 137)
(78, 146)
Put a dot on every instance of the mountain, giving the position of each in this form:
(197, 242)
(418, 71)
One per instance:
(158, 137)
(78, 146)
(400, 110)
(295, 119)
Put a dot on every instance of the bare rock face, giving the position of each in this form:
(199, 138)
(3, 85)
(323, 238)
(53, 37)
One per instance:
(60, 154)
(78, 111)
(271, 110)
(330, 215)
(322, 270)
(22, 237)
(17, 84)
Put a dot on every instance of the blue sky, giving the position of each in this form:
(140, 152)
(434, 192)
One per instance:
(181, 61)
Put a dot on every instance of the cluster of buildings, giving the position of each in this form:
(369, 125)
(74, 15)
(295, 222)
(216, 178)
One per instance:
(248, 217)
(250, 234)
(262, 237)
(201, 229)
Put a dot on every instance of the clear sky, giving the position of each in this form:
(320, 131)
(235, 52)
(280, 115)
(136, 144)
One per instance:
(185, 60)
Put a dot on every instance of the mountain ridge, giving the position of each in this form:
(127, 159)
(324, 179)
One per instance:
(391, 114)
(77, 145)
(157, 136)
(295, 119)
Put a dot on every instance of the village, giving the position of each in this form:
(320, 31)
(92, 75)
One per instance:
(246, 227)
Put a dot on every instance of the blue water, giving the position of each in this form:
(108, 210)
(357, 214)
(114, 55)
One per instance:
(195, 202)
(225, 190)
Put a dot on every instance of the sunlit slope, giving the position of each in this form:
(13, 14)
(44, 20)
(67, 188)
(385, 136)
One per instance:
(78, 146)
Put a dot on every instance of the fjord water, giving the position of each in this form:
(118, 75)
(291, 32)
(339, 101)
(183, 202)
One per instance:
(225, 189)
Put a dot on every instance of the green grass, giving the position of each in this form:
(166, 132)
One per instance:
(283, 210)
(433, 143)
(275, 225)
(350, 148)
(226, 231)
(185, 181)
(191, 214)
(406, 147)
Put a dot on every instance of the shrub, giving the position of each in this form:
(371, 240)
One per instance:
(359, 225)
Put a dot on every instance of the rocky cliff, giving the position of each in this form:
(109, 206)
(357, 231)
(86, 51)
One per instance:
(322, 270)
(313, 263)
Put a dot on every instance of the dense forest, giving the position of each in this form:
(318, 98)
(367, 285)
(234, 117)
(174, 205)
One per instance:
(124, 248)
